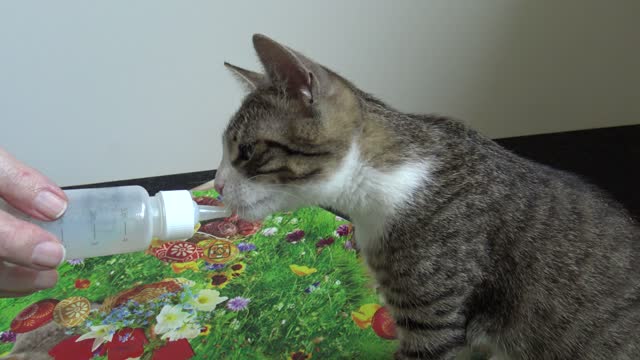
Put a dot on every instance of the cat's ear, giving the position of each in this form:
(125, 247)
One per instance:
(251, 80)
(303, 78)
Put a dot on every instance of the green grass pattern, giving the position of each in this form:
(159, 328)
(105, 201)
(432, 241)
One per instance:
(281, 318)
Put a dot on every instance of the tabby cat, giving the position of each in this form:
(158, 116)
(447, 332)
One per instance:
(470, 244)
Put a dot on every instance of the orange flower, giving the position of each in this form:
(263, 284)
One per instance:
(362, 317)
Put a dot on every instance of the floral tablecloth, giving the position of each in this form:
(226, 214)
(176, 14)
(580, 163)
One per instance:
(289, 287)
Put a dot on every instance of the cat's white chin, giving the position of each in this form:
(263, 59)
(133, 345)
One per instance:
(260, 209)
(251, 214)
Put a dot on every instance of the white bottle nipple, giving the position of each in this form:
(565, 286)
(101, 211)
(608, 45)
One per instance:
(206, 212)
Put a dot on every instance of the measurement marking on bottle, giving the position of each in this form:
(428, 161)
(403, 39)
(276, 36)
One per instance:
(93, 216)
(95, 236)
(124, 213)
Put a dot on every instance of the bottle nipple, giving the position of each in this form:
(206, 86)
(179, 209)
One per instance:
(206, 212)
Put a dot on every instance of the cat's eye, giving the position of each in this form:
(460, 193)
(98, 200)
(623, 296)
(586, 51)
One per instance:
(245, 151)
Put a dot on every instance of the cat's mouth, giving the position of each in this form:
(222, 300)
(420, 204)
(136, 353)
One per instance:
(256, 210)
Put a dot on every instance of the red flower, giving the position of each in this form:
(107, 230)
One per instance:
(126, 343)
(295, 236)
(383, 324)
(69, 349)
(174, 350)
(246, 228)
(220, 228)
(82, 283)
(325, 242)
(207, 200)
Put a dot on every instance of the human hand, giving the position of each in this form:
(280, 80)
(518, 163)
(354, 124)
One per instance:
(29, 255)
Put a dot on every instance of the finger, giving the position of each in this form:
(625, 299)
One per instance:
(20, 280)
(28, 190)
(26, 244)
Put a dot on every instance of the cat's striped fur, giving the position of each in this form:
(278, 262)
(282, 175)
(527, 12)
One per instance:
(469, 243)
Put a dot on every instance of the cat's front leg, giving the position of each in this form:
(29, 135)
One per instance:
(431, 328)
(431, 344)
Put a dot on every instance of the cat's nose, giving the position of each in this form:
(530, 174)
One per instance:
(219, 185)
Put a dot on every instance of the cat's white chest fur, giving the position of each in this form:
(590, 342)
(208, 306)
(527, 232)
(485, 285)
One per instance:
(371, 197)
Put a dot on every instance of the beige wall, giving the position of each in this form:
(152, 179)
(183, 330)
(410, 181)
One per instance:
(98, 91)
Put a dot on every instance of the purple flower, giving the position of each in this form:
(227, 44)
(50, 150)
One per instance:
(243, 246)
(295, 236)
(325, 242)
(343, 230)
(75, 262)
(349, 245)
(313, 287)
(7, 336)
(214, 267)
(238, 303)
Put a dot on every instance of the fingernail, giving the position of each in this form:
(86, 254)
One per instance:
(45, 280)
(50, 204)
(48, 254)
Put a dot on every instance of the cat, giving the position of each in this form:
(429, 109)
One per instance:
(470, 244)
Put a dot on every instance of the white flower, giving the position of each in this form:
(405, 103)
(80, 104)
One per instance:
(338, 282)
(294, 221)
(207, 300)
(283, 322)
(186, 331)
(269, 231)
(235, 324)
(277, 220)
(100, 334)
(170, 318)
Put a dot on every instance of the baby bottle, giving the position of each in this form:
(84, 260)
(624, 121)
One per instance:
(116, 220)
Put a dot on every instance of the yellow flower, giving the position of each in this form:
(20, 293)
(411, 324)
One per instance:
(182, 267)
(302, 270)
(362, 317)
(205, 330)
(219, 280)
(237, 269)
